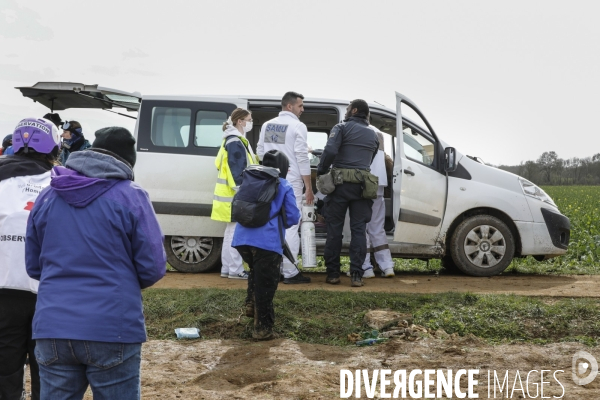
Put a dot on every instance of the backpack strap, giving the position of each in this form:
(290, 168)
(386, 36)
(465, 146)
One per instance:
(233, 138)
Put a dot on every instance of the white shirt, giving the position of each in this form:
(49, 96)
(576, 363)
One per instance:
(17, 196)
(288, 135)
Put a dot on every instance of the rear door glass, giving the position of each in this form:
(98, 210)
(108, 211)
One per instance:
(182, 127)
(209, 128)
(171, 126)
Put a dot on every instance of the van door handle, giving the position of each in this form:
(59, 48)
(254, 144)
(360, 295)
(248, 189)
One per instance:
(408, 172)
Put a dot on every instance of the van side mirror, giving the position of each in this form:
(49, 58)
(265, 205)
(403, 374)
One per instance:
(450, 159)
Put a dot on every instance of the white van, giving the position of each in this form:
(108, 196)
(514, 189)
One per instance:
(442, 204)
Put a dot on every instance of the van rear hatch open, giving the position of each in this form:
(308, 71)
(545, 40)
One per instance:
(64, 95)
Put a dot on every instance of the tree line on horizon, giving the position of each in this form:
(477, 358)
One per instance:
(550, 169)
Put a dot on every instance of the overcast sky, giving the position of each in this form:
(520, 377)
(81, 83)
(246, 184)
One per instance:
(503, 80)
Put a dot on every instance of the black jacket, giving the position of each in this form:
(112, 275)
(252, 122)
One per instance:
(17, 165)
(351, 144)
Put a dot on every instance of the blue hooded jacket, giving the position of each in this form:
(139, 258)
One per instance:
(93, 242)
(267, 237)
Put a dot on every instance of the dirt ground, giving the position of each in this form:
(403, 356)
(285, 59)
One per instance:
(527, 285)
(284, 369)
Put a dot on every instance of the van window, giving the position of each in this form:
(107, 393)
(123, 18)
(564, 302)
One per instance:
(417, 147)
(209, 128)
(387, 125)
(316, 141)
(170, 126)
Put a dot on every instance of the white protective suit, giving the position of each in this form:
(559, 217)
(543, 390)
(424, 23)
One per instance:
(377, 242)
(288, 135)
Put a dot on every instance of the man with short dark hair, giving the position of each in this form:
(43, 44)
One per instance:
(351, 146)
(288, 135)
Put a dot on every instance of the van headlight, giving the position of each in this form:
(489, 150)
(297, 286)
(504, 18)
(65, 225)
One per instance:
(532, 190)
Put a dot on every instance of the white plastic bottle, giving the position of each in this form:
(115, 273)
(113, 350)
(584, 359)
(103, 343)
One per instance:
(307, 232)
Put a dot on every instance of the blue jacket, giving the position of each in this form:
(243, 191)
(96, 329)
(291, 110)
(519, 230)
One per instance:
(93, 242)
(267, 237)
(78, 144)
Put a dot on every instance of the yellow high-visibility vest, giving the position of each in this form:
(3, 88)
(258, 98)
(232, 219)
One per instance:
(223, 195)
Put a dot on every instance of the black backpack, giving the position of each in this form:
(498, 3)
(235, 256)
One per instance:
(251, 206)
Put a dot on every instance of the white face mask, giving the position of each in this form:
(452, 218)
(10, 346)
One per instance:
(248, 126)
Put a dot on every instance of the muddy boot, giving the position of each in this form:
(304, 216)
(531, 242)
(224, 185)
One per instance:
(356, 280)
(264, 335)
(250, 310)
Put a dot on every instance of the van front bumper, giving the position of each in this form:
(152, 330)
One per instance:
(549, 238)
(559, 228)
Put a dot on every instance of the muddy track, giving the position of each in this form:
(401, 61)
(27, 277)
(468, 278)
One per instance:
(526, 285)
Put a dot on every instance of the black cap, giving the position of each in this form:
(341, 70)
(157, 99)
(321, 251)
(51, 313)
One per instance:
(55, 118)
(117, 140)
(7, 141)
(277, 159)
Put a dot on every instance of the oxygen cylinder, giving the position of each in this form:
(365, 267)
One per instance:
(307, 232)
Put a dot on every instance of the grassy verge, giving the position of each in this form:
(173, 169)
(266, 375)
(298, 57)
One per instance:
(328, 317)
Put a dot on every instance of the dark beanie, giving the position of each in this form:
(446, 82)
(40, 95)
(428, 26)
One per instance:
(7, 141)
(55, 118)
(277, 159)
(116, 140)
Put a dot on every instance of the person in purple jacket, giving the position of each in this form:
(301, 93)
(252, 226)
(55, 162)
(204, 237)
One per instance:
(93, 242)
(262, 249)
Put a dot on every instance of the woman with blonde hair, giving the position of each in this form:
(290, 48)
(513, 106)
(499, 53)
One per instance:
(234, 156)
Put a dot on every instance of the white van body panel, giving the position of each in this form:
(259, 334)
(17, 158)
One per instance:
(188, 225)
(182, 179)
(494, 188)
(425, 193)
(488, 188)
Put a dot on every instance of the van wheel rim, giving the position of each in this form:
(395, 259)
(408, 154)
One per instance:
(485, 246)
(191, 249)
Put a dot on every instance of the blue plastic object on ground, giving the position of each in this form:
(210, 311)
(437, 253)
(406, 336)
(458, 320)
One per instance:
(370, 342)
(187, 333)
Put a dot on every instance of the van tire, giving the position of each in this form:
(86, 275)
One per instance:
(474, 253)
(203, 253)
(450, 266)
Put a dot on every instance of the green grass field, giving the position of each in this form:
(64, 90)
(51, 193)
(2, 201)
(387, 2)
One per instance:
(319, 316)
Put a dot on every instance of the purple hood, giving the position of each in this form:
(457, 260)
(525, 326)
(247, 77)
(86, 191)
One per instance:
(88, 175)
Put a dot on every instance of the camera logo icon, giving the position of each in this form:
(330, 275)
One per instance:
(583, 364)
